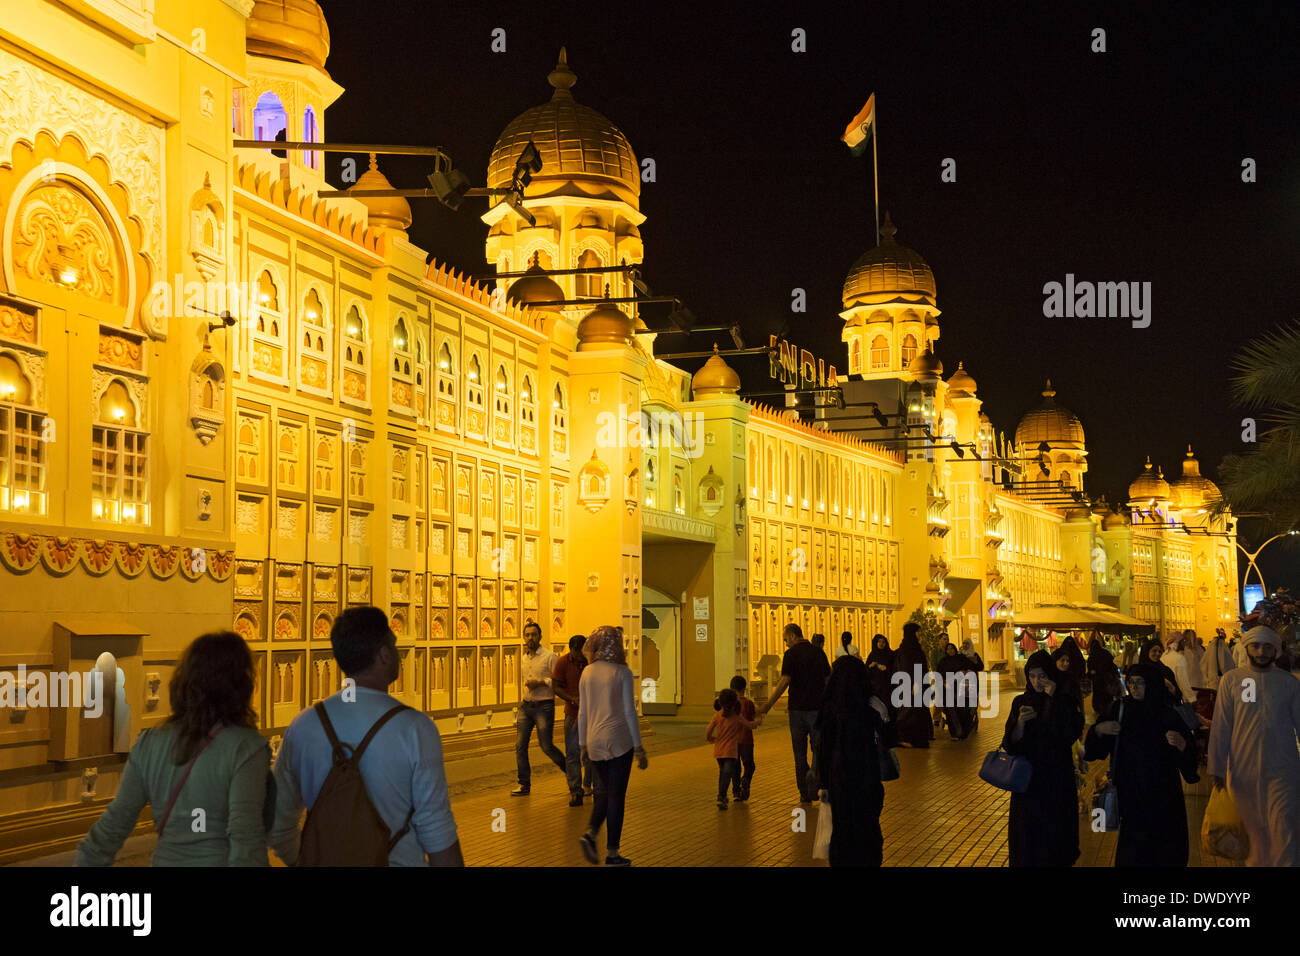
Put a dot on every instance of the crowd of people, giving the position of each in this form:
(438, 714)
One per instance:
(376, 794)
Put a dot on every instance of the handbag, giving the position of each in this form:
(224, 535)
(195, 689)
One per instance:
(1187, 714)
(1106, 799)
(1006, 771)
(889, 766)
(822, 841)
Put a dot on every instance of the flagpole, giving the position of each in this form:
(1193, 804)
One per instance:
(875, 174)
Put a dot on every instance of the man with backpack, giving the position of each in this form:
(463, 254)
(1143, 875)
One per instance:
(368, 769)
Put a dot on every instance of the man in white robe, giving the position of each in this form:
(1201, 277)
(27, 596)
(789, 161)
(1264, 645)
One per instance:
(1176, 661)
(1253, 745)
(1218, 661)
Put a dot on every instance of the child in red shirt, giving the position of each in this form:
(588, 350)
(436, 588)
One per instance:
(725, 731)
(746, 746)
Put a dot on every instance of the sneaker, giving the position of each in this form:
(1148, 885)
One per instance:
(575, 800)
(740, 797)
(722, 804)
(520, 791)
(588, 843)
(617, 860)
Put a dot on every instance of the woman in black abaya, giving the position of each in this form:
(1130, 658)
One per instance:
(1043, 724)
(960, 719)
(849, 733)
(1152, 651)
(915, 727)
(880, 668)
(1155, 753)
(1106, 686)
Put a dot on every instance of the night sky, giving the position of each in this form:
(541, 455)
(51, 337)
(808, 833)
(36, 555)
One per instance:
(1116, 166)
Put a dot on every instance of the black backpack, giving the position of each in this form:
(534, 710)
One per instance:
(343, 827)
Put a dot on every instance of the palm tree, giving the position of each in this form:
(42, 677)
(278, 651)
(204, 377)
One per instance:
(1268, 381)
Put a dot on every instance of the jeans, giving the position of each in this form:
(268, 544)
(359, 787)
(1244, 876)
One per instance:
(611, 797)
(539, 714)
(728, 776)
(802, 734)
(747, 763)
(579, 776)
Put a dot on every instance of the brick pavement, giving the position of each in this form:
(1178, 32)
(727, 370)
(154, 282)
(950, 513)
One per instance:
(938, 814)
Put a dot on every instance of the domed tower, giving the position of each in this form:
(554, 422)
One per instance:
(392, 213)
(1193, 493)
(288, 89)
(1051, 436)
(890, 312)
(1148, 495)
(585, 198)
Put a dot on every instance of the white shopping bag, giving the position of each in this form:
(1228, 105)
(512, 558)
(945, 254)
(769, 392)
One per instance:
(822, 842)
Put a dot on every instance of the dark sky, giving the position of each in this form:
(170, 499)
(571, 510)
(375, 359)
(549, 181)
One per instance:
(1115, 166)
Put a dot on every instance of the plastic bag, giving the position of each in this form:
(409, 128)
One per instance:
(1222, 832)
(822, 840)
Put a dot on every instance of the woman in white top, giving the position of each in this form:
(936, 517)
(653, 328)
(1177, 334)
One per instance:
(846, 647)
(609, 735)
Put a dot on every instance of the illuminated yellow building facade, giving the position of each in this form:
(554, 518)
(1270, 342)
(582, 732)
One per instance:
(372, 429)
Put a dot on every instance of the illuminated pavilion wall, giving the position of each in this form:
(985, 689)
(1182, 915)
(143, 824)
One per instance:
(377, 431)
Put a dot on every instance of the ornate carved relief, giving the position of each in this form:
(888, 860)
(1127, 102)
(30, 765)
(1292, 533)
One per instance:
(35, 100)
(62, 238)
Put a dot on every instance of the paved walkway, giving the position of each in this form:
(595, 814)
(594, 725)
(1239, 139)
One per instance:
(938, 814)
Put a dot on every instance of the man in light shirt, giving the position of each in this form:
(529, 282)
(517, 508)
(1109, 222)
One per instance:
(402, 767)
(536, 709)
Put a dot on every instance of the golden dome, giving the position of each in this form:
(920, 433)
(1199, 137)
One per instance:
(289, 30)
(961, 381)
(925, 365)
(1049, 423)
(1112, 521)
(715, 377)
(575, 143)
(891, 272)
(605, 326)
(1150, 484)
(1193, 490)
(390, 212)
(534, 286)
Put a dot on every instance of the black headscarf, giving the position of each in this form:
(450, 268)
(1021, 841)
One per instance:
(1044, 660)
(1100, 660)
(846, 711)
(909, 654)
(953, 662)
(1166, 673)
(881, 652)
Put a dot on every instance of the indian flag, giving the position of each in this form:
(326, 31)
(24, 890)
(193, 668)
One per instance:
(859, 131)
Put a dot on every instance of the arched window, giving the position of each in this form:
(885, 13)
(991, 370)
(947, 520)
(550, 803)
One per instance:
(503, 428)
(421, 375)
(833, 475)
(268, 336)
(819, 498)
(879, 352)
(269, 117)
(803, 480)
(527, 402)
(769, 475)
(309, 135)
(559, 421)
(119, 459)
(22, 445)
(589, 285)
(356, 379)
(315, 345)
(446, 373)
(855, 357)
(787, 482)
(908, 350)
(474, 382)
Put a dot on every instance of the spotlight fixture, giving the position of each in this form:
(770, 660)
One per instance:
(529, 162)
(961, 452)
(515, 200)
(450, 187)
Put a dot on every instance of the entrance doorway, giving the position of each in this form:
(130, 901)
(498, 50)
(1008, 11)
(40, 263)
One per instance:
(661, 658)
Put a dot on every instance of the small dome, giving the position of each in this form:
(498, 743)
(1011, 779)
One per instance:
(1050, 423)
(715, 377)
(605, 326)
(925, 365)
(1193, 490)
(575, 142)
(1112, 521)
(961, 381)
(534, 286)
(288, 30)
(390, 212)
(889, 272)
(1150, 484)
